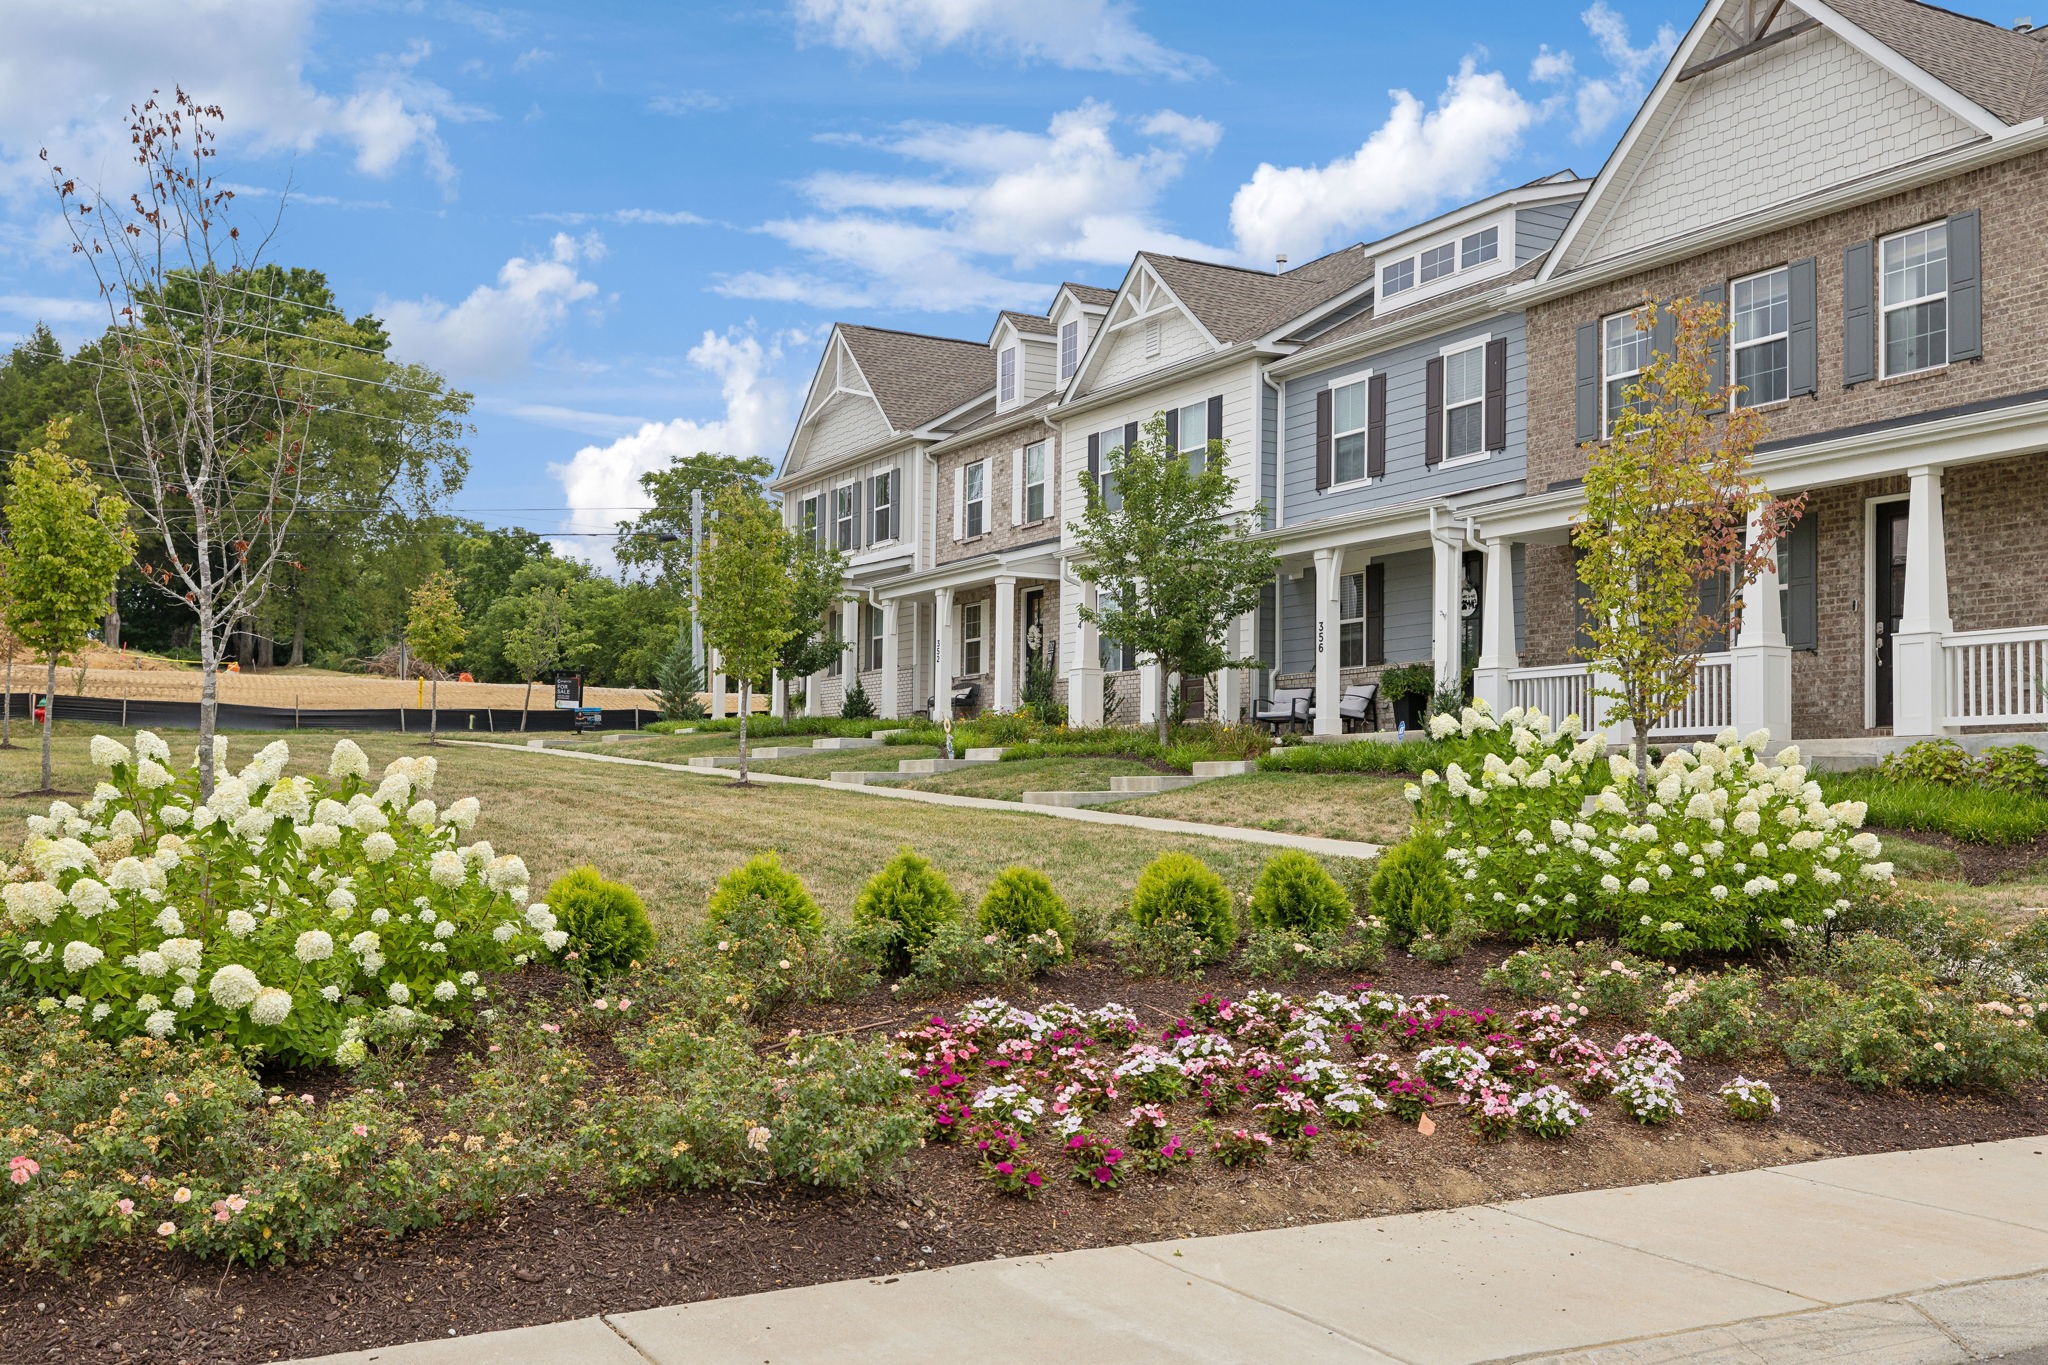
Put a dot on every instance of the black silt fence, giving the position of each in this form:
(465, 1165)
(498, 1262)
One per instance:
(456, 721)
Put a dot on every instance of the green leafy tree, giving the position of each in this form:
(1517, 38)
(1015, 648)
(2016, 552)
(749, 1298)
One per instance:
(659, 538)
(1173, 562)
(68, 540)
(535, 644)
(747, 593)
(817, 582)
(1677, 526)
(434, 632)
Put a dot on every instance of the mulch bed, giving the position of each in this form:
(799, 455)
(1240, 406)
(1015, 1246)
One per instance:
(542, 1260)
(1982, 864)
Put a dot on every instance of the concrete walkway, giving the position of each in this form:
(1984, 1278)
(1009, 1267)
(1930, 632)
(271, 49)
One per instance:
(1910, 1258)
(1328, 848)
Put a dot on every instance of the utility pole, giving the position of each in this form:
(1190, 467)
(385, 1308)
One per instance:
(697, 581)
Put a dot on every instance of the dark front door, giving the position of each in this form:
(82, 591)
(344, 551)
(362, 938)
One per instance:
(1887, 600)
(1034, 626)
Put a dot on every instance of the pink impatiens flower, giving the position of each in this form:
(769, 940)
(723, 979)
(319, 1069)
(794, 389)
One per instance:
(126, 1206)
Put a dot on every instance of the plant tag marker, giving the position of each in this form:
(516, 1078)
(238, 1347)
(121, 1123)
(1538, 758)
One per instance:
(1426, 1126)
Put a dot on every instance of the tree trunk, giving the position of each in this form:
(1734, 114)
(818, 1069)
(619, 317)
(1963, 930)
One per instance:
(298, 658)
(434, 709)
(209, 703)
(746, 705)
(525, 705)
(266, 650)
(49, 721)
(7, 707)
(111, 628)
(1165, 689)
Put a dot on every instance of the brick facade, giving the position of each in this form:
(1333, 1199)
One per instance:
(1001, 450)
(2015, 285)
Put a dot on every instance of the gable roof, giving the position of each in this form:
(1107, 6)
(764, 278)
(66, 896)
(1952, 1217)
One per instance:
(1092, 295)
(1999, 69)
(916, 377)
(1236, 304)
(1031, 324)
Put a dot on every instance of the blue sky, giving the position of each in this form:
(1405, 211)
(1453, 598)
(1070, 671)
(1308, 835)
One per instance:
(626, 227)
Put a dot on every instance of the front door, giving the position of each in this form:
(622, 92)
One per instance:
(1888, 596)
(1034, 627)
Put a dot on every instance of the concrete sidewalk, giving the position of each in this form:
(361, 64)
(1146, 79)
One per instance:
(1921, 1257)
(1309, 843)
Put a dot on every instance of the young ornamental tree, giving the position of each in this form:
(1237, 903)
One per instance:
(1676, 528)
(68, 540)
(434, 632)
(534, 645)
(1174, 562)
(817, 578)
(747, 593)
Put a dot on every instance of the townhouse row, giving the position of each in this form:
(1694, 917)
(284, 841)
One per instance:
(1860, 183)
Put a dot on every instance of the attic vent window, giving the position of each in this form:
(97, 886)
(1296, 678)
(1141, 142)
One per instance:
(1151, 339)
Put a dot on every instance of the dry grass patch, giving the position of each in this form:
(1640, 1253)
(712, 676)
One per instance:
(1327, 805)
(1009, 781)
(830, 761)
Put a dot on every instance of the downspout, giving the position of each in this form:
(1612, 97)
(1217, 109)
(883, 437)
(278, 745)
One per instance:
(1279, 446)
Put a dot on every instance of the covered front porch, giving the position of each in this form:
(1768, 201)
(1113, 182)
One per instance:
(977, 630)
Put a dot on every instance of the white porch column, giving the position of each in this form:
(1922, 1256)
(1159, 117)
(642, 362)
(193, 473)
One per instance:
(889, 704)
(1148, 694)
(942, 654)
(1084, 667)
(850, 645)
(1230, 691)
(1329, 684)
(1919, 695)
(1006, 644)
(1760, 662)
(717, 682)
(1446, 593)
(778, 695)
(1497, 654)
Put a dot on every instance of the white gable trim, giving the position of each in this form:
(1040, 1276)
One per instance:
(1643, 125)
(1148, 298)
(829, 382)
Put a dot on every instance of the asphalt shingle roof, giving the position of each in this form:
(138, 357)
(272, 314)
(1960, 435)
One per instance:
(917, 377)
(2004, 71)
(1236, 304)
(1029, 322)
(1091, 294)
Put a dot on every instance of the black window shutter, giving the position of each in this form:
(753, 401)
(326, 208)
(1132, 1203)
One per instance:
(1713, 598)
(1130, 437)
(1803, 340)
(1965, 288)
(1173, 427)
(1799, 573)
(895, 510)
(1664, 332)
(1375, 613)
(1587, 390)
(1859, 316)
(1717, 349)
(1433, 410)
(1095, 459)
(1324, 417)
(858, 539)
(1497, 394)
(1215, 416)
(1376, 427)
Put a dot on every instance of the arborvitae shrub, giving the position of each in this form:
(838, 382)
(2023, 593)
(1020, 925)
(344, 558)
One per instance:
(607, 922)
(1181, 886)
(1021, 902)
(1412, 889)
(1294, 891)
(765, 877)
(913, 899)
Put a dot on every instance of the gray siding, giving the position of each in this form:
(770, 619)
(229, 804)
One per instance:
(1537, 229)
(1409, 578)
(1408, 478)
(1298, 623)
(1269, 452)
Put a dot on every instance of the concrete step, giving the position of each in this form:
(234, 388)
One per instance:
(760, 755)
(988, 755)
(924, 767)
(884, 735)
(1074, 798)
(868, 779)
(1155, 782)
(830, 742)
(1227, 768)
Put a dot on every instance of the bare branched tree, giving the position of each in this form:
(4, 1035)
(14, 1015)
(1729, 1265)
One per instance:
(206, 400)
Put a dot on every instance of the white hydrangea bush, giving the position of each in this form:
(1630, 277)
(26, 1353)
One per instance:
(1549, 837)
(293, 915)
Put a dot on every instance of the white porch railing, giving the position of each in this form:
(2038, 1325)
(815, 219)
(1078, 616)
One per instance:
(1567, 690)
(1994, 677)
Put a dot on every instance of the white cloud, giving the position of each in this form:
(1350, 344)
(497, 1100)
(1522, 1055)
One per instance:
(758, 408)
(1549, 67)
(627, 218)
(532, 57)
(1418, 158)
(1088, 35)
(568, 419)
(69, 71)
(683, 102)
(1598, 101)
(990, 203)
(492, 333)
(53, 310)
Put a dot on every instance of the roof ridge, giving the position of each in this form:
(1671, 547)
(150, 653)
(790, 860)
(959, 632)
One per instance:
(903, 332)
(1250, 269)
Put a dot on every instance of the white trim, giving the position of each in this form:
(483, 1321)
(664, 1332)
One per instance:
(1885, 310)
(1140, 273)
(1964, 108)
(1006, 357)
(1606, 379)
(1017, 486)
(1733, 347)
(1456, 348)
(982, 500)
(1460, 275)
(1345, 381)
(960, 503)
(980, 638)
(852, 517)
(1060, 366)
(1868, 593)
(1045, 481)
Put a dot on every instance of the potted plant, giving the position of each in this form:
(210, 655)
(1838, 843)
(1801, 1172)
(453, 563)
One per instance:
(1407, 688)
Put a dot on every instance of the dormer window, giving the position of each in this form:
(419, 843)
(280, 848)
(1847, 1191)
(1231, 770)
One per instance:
(1398, 276)
(1006, 375)
(1439, 261)
(1479, 248)
(1070, 349)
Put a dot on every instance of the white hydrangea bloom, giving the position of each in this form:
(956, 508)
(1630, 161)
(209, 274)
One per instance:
(504, 932)
(319, 836)
(271, 1006)
(444, 991)
(379, 847)
(462, 814)
(445, 929)
(369, 819)
(107, 752)
(160, 1023)
(241, 923)
(540, 917)
(341, 898)
(502, 874)
(89, 897)
(183, 997)
(173, 816)
(31, 902)
(254, 823)
(315, 945)
(395, 790)
(290, 799)
(399, 992)
(348, 760)
(233, 986)
(80, 956)
(421, 814)
(124, 825)
(151, 746)
(181, 952)
(446, 868)
(554, 940)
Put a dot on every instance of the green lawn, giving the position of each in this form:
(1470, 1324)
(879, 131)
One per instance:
(1328, 805)
(664, 748)
(1009, 781)
(830, 761)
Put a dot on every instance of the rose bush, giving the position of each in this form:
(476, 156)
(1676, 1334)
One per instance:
(1725, 849)
(300, 917)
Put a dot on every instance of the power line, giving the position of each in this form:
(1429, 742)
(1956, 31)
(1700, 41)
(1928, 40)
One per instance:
(242, 326)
